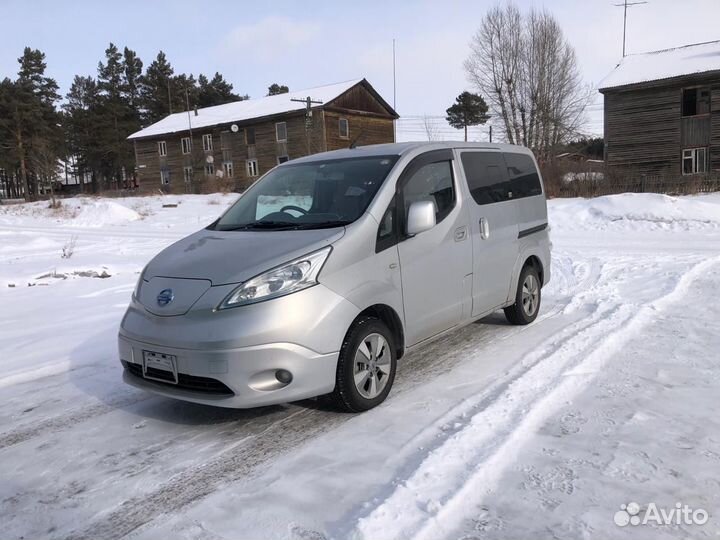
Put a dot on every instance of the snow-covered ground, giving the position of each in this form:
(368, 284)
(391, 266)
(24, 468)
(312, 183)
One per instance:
(492, 431)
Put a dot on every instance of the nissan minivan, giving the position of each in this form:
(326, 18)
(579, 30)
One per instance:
(329, 268)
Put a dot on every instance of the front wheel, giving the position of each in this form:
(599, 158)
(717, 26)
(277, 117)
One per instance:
(366, 366)
(527, 298)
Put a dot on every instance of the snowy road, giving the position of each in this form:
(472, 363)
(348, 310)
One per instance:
(492, 431)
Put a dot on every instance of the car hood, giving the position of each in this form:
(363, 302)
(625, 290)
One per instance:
(225, 257)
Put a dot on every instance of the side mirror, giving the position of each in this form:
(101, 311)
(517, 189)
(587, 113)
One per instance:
(421, 217)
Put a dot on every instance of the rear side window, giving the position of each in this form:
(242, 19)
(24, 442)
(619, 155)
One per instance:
(486, 175)
(524, 178)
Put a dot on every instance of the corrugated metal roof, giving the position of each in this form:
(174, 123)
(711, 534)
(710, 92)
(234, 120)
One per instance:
(664, 64)
(243, 110)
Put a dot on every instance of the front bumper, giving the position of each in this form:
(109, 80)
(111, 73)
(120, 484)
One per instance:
(230, 358)
(246, 376)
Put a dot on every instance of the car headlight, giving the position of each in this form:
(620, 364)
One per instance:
(286, 279)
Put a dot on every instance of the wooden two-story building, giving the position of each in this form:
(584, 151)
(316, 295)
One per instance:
(662, 112)
(229, 146)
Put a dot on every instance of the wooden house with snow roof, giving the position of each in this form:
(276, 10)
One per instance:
(239, 141)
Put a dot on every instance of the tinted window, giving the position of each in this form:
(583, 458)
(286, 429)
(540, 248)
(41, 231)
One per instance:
(524, 178)
(431, 182)
(486, 176)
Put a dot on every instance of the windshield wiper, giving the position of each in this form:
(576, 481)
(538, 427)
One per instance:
(287, 225)
(322, 225)
(262, 225)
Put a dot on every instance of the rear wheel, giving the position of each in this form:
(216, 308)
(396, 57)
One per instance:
(366, 366)
(527, 298)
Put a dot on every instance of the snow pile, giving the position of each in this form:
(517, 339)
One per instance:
(75, 212)
(636, 212)
(100, 212)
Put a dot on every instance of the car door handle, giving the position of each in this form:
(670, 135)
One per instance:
(484, 228)
(460, 233)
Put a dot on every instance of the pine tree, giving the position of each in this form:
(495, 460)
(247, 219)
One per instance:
(156, 90)
(274, 89)
(468, 110)
(81, 127)
(29, 122)
(217, 91)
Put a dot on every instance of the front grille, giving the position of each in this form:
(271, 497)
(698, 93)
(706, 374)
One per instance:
(185, 381)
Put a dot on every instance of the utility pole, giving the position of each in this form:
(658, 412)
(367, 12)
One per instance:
(625, 5)
(309, 102)
(490, 133)
(394, 93)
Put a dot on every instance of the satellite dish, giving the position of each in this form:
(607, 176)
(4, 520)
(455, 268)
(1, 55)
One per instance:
(210, 159)
(234, 128)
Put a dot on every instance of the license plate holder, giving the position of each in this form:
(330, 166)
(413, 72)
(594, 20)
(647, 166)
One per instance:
(160, 367)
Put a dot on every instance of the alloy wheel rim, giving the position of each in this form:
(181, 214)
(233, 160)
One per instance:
(530, 295)
(371, 368)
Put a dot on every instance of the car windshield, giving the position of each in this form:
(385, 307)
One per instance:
(314, 195)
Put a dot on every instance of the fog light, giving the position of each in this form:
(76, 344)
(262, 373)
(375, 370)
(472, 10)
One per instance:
(283, 376)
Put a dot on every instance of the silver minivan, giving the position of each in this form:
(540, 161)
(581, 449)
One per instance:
(329, 268)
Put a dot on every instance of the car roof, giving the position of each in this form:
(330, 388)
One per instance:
(399, 149)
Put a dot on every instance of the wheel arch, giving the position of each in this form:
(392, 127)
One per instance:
(391, 319)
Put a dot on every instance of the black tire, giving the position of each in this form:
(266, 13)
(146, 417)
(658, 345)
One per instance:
(519, 313)
(346, 396)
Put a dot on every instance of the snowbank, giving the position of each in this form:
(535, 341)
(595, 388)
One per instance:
(636, 212)
(76, 212)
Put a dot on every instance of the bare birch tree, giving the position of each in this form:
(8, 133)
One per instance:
(529, 73)
(431, 128)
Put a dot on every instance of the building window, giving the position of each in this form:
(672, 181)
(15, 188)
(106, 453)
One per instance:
(162, 148)
(281, 132)
(228, 168)
(165, 177)
(252, 167)
(250, 135)
(185, 145)
(188, 174)
(694, 160)
(209, 169)
(207, 142)
(282, 159)
(695, 101)
(344, 128)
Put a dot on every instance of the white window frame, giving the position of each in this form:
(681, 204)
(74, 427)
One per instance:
(277, 133)
(164, 177)
(162, 148)
(228, 169)
(209, 169)
(251, 167)
(698, 166)
(208, 142)
(287, 158)
(185, 145)
(188, 174)
(347, 128)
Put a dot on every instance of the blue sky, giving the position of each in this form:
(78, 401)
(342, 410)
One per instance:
(305, 44)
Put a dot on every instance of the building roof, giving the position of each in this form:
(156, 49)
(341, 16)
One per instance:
(664, 64)
(248, 109)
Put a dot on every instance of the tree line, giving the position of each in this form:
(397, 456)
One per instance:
(89, 128)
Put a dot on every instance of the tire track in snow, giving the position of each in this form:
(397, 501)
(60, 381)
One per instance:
(234, 464)
(439, 494)
(66, 421)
